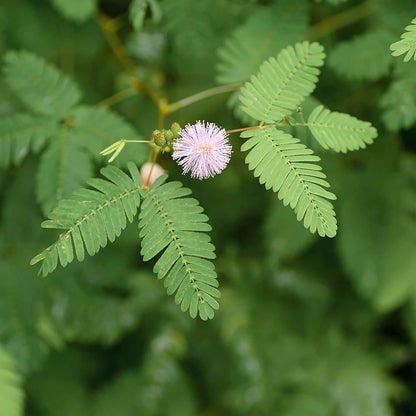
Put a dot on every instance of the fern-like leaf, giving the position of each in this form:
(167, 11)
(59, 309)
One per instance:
(174, 224)
(19, 132)
(259, 38)
(97, 128)
(91, 217)
(40, 85)
(282, 83)
(367, 51)
(398, 102)
(11, 391)
(407, 44)
(287, 166)
(137, 12)
(340, 132)
(77, 10)
(63, 167)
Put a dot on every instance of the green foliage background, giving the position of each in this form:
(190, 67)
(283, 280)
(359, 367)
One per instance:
(306, 325)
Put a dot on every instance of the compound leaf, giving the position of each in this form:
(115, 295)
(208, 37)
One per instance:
(63, 167)
(398, 102)
(283, 82)
(259, 38)
(91, 217)
(77, 10)
(340, 132)
(40, 85)
(367, 51)
(287, 166)
(407, 44)
(97, 128)
(11, 391)
(21, 131)
(173, 224)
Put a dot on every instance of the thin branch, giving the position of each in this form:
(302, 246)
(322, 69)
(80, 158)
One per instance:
(117, 97)
(200, 96)
(109, 29)
(340, 20)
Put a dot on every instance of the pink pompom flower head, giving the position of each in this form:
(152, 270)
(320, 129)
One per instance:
(202, 149)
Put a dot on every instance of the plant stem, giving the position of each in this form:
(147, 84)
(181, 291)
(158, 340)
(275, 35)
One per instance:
(154, 159)
(117, 97)
(260, 126)
(243, 129)
(200, 96)
(340, 20)
(109, 29)
(137, 141)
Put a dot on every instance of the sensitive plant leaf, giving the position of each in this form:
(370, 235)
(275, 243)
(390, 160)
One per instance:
(390, 15)
(259, 38)
(20, 309)
(407, 44)
(90, 313)
(97, 128)
(137, 12)
(367, 52)
(201, 31)
(91, 217)
(285, 237)
(288, 167)
(378, 234)
(233, 103)
(63, 167)
(40, 85)
(11, 387)
(20, 132)
(340, 132)
(174, 225)
(77, 10)
(160, 386)
(283, 82)
(398, 102)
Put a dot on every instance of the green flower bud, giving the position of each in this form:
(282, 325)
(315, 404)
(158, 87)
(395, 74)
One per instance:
(175, 128)
(159, 138)
(169, 137)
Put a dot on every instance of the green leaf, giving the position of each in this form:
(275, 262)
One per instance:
(284, 164)
(367, 52)
(174, 225)
(398, 102)
(389, 14)
(285, 237)
(283, 83)
(40, 85)
(407, 44)
(63, 167)
(137, 12)
(11, 389)
(97, 128)
(19, 133)
(91, 217)
(340, 132)
(259, 38)
(378, 233)
(77, 10)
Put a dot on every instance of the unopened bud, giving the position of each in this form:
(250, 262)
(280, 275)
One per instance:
(159, 138)
(149, 173)
(169, 136)
(175, 128)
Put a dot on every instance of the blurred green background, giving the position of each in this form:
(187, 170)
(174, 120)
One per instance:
(306, 326)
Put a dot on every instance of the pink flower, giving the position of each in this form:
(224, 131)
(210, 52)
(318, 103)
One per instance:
(145, 172)
(202, 149)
